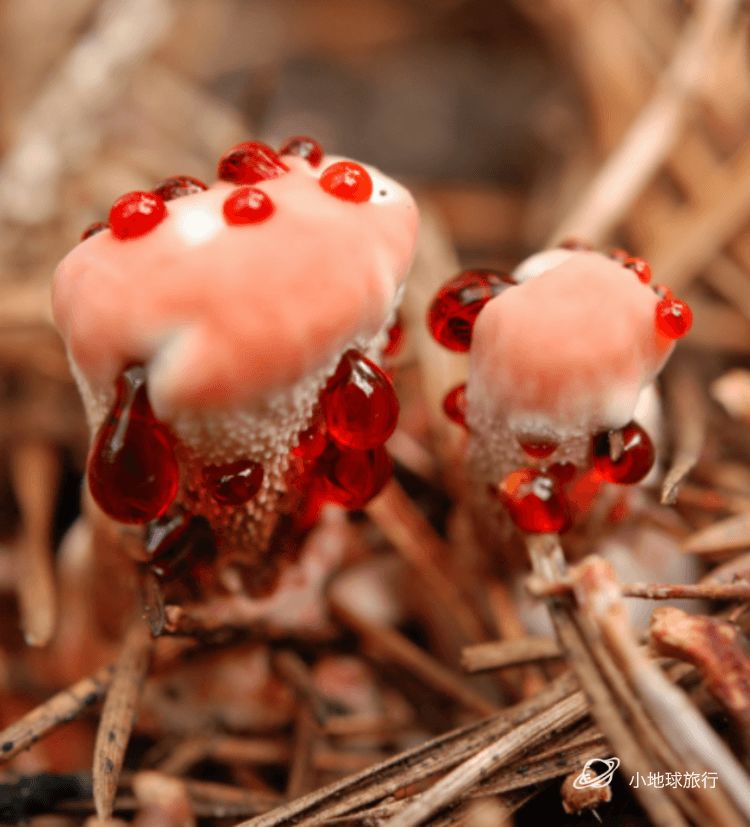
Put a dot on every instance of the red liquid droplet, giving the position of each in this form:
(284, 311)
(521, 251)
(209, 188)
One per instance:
(576, 244)
(348, 181)
(619, 255)
(233, 483)
(247, 205)
(312, 442)
(635, 462)
(673, 318)
(563, 472)
(132, 470)
(135, 214)
(93, 229)
(359, 404)
(395, 338)
(178, 187)
(454, 404)
(303, 147)
(539, 449)
(534, 501)
(457, 304)
(353, 478)
(250, 162)
(640, 267)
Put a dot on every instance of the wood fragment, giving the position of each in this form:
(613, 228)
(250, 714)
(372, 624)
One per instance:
(732, 534)
(60, 709)
(36, 468)
(687, 406)
(118, 715)
(499, 654)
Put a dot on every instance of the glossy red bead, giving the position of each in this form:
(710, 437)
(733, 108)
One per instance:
(673, 318)
(537, 448)
(359, 403)
(303, 147)
(640, 267)
(348, 181)
(247, 205)
(395, 338)
(457, 304)
(636, 459)
(233, 483)
(135, 214)
(563, 472)
(352, 478)
(178, 187)
(250, 162)
(534, 501)
(454, 404)
(93, 229)
(311, 442)
(132, 469)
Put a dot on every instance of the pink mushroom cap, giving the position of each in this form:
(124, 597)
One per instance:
(568, 351)
(222, 315)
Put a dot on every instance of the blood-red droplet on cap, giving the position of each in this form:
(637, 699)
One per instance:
(352, 478)
(311, 442)
(247, 205)
(534, 501)
(395, 338)
(303, 147)
(348, 181)
(250, 162)
(359, 403)
(454, 404)
(673, 317)
(178, 187)
(537, 448)
(640, 267)
(457, 304)
(636, 459)
(233, 483)
(132, 470)
(135, 214)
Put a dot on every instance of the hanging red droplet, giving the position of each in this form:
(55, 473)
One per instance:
(303, 147)
(636, 459)
(179, 186)
(132, 470)
(673, 317)
(247, 205)
(311, 442)
(563, 472)
(348, 181)
(640, 267)
(233, 483)
(395, 338)
(352, 478)
(576, 244)
(457, 304)
(94, 228)
(454, 404)
(250, 162)
(537, 448)
(619, 255)
(359, 403)
(135, 214)
(534, 501)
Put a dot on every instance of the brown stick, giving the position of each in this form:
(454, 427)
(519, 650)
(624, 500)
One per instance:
(58, 710)
(35, 467)
(698, 591)
(118, 715)
(499, 654)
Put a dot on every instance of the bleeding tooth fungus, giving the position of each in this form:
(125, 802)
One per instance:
(225, 340)
(562, 356)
